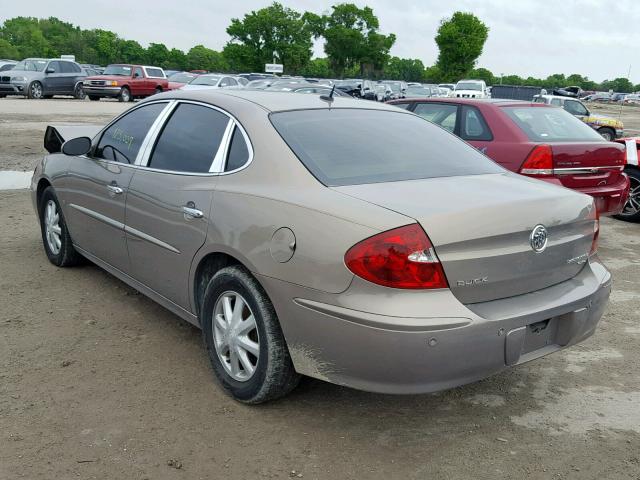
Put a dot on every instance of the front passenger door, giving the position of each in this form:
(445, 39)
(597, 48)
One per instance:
(97, 185)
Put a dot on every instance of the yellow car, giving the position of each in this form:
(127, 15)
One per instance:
(608, 127)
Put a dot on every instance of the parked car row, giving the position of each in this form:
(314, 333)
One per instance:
(304, 238)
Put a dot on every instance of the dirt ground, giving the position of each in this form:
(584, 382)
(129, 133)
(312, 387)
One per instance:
(98, 382)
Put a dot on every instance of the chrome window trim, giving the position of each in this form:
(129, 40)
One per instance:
(249, 149)
(222, 149)
(149, 140)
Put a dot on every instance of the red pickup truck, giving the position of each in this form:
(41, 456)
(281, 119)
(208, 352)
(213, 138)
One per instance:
(126, 82)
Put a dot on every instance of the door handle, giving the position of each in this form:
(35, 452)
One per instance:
(192, 212)
(115, 189)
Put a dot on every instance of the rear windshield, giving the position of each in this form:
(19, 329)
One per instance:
(357, 146)
(543, 124)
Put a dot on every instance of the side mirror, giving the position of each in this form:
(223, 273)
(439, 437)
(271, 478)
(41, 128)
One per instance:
(77, 146)
(50, 70)
(136, 75)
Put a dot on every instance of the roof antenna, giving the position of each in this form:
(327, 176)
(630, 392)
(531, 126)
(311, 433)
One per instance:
(328, 98)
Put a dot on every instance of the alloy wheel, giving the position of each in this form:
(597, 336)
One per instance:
(53, 232)
(36, 90)
(632, 207)
(235, 336)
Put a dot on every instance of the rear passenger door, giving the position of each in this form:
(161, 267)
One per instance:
(443, 114)
(475, 130)
(170, 196)
(53, 78)
(68, 77)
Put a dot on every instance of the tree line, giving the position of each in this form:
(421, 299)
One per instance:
(353, 47)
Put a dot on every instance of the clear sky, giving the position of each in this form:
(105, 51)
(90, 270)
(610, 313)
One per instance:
(527, 37)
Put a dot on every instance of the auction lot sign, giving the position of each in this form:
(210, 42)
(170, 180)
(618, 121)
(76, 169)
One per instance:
(273, 68)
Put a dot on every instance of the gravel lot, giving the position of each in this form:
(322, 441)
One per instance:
(97, 381)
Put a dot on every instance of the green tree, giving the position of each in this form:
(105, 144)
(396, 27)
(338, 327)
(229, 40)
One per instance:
(483, 74)
(316, 68)
(157, 54)
(131, 52)
(622, 85)
(272, 31)
(203, 58)
(24, 34)
(352, 39)
(433, 75)
(176, 59)
(8, 51)
(460, 39)
(410, 70)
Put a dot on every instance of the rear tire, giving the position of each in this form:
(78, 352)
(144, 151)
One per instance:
(35, 90)
(263, 370)
(608, 134)
(125, 95)
(631, 210)
(158, 90)
(55, 234)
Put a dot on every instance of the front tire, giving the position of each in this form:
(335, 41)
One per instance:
(78, 92)
(242, 335)
(125, 95)
(631, 210)
(35, 90)
(55, 234)
(608, 134)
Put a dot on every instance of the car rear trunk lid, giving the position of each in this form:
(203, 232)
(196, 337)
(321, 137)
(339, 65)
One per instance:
(588, 165)
(480, 226)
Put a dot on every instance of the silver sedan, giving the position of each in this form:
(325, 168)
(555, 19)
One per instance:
(305, 240)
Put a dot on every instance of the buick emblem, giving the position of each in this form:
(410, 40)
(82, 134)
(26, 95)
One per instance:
(538, 238)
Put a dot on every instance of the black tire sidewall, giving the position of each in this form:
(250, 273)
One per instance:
(229, 280)
(65, 244)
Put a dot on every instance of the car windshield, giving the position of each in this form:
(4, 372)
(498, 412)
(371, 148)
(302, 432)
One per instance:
(353, 146)
(120, 70)
(395, 86)
(542, 124)
(468, 86)
(31, 65)
(259, 84)
(182, 77)
(210, 80)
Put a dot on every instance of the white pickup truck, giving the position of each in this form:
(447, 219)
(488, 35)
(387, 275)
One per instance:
(470, 89)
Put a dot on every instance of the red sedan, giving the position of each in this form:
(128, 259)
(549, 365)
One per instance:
(536, 140)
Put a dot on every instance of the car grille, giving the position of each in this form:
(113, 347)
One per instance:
(96, 83)
(5, 79)
(466, 95)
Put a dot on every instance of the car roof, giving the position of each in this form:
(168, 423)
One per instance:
(273, 101)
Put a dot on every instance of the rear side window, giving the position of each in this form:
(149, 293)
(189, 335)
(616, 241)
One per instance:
(542, 124)
(122, 140)
(238, 151)
(443, 114)
(353, 146)
(575, 108)
(189, 140)
(155, 73)
(474, 127)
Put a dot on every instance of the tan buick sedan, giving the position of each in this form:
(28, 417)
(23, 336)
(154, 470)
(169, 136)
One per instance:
(346, 240)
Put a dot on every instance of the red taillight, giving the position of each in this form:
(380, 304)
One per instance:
(399, 258)
(595, 215)
(539, 162)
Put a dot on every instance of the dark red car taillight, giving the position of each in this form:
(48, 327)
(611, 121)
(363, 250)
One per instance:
(539, 162)
(400, 258)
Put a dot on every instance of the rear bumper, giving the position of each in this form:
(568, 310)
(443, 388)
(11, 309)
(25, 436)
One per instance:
(610, 199)
(380, 352)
